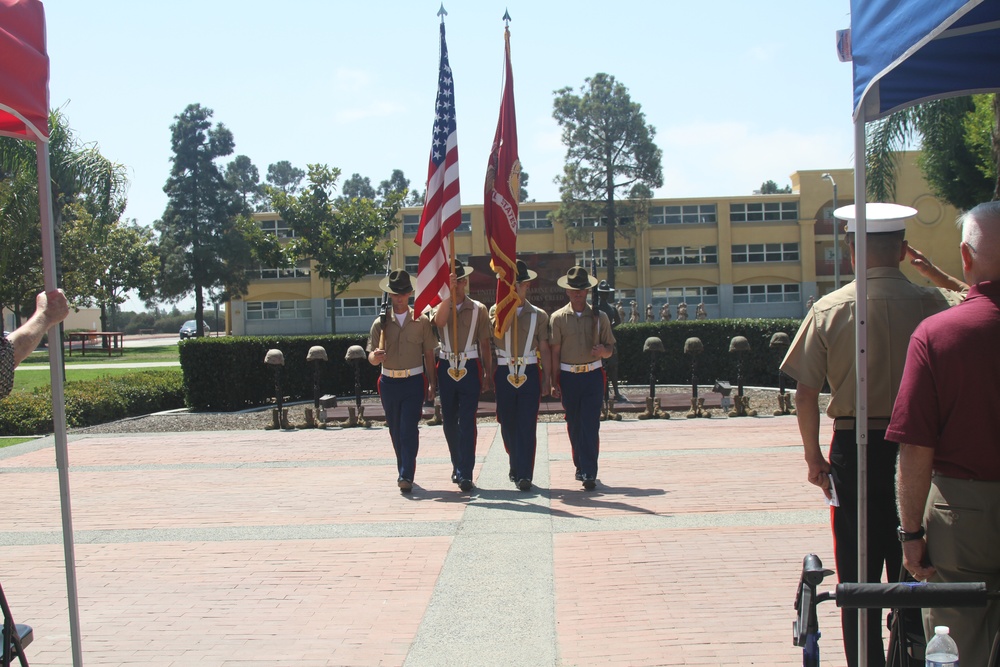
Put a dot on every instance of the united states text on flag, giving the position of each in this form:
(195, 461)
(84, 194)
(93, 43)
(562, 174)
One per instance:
(442, 212)
(503, 189)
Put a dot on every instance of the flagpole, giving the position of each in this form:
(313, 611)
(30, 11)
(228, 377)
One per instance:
(454, 307)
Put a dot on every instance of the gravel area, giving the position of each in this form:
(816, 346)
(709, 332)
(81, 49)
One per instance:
(762, 400)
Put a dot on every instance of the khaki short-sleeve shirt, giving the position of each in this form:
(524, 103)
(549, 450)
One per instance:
(823, 349)
(577, 334)
(483, 330)
(404, 345)
(524, 346)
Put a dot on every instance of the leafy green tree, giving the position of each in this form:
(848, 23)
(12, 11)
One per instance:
(107, 261)
(609, 150)
(78, 173)
(357, 187)
(21, 245)
(202, 247)
(344, 237)
(960, 150)
(523, 197)
(769, 187)
(283, 176)
(244, 178)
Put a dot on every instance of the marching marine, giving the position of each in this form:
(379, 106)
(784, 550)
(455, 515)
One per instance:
(403, 343)
(523, 376)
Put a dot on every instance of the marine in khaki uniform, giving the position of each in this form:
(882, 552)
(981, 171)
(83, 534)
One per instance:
(403, 343)
(580, 339)
(464, 370)
(823, 351)
(523, 376)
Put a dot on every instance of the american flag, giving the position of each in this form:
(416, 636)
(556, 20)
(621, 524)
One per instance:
(442, 212)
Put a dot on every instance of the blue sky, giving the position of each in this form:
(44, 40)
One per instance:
(738, 92)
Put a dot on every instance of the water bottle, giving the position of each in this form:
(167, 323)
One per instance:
(942, 651)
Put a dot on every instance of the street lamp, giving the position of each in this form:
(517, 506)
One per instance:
(836, 235)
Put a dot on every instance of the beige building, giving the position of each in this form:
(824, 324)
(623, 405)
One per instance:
(741, 256)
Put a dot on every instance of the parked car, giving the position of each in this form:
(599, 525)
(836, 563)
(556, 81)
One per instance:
(190, 329)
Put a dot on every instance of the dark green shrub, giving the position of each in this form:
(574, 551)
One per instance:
(229, 373)
(92, 402)
(760, 364)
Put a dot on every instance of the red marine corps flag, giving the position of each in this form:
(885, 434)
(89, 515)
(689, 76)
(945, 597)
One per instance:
(503, 190)
(442, 212)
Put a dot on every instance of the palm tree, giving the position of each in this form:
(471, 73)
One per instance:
(78, 173)
(960, 138)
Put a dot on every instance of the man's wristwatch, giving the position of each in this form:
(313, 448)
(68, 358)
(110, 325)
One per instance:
(907, 537)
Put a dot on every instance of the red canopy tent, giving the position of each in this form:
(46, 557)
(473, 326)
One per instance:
(24, 114)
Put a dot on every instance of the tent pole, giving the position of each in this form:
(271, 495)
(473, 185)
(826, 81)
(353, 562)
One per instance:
(58, 397)
(861, 365)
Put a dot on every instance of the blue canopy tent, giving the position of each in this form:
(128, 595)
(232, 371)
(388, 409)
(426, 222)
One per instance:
(905, 52)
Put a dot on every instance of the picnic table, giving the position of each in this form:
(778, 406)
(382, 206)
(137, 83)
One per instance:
(109, 340)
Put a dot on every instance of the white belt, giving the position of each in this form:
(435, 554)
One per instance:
(581, 368)
(519, 361)
(458, 356)
(404, 373)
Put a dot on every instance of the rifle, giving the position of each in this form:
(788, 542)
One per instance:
(386, 304)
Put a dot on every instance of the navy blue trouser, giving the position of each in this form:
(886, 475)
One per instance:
(459, 402)
(402, 400)
(582, 395)
(517, 412)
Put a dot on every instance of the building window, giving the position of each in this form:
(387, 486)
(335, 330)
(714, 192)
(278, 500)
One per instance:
(766, 293)
(410, 263)
(691, 214)
(764, 211)
(677, 255)
(365, 306)
(625, 257)
(765, 252)
(411, 223)
(279, 310)
(689, 295)
(277, 228)
(300, 270)
(534, 220)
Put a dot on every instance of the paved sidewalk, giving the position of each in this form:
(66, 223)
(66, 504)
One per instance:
(296, 548)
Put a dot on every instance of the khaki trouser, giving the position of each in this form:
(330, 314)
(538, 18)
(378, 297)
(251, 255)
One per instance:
(962, 518)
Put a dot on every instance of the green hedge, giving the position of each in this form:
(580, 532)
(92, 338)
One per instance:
(760, 364)
(227, 374)
(92, 402)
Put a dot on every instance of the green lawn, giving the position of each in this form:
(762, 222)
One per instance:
(7, 442)
(132, 355)
(29, 380)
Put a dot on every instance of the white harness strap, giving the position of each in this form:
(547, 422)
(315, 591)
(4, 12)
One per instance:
(512, 354)
(457, 360)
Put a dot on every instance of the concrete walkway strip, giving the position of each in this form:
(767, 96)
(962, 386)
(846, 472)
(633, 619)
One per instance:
(494, 603)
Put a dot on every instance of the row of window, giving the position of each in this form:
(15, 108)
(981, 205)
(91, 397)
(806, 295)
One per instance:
(368, 306)
(626, 257)
(658, 215)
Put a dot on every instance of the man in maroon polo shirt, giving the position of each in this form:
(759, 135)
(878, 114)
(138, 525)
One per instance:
(946, 419)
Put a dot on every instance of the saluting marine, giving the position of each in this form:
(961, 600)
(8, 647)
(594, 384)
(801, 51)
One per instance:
(404, 344)
(581, 338)
(463, 371)
(523, 376)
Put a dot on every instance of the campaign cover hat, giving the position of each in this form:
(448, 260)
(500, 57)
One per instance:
(880, 218)
(397, 282)
(461, 270)
(577, 278)
(524, 274)
(604, 288)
